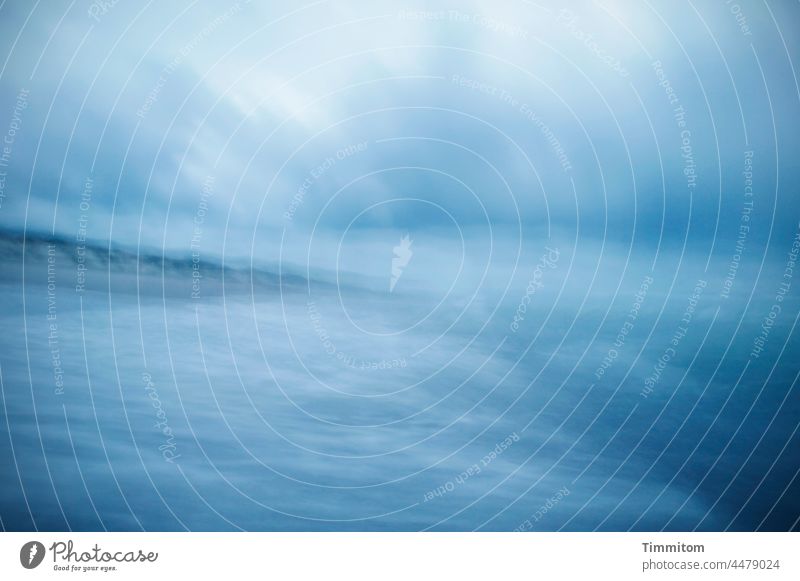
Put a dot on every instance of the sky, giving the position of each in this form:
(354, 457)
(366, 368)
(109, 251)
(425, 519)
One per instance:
(521, 123)
(483, 189)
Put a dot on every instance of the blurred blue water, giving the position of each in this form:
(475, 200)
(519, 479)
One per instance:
(279, 415)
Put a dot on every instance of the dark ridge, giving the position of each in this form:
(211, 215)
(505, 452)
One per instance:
(117, 260)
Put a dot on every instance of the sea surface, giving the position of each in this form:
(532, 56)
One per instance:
(154, 394)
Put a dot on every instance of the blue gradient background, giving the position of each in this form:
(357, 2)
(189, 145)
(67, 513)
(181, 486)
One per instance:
(221, 142)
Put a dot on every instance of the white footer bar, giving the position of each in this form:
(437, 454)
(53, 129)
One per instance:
(414, 556)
